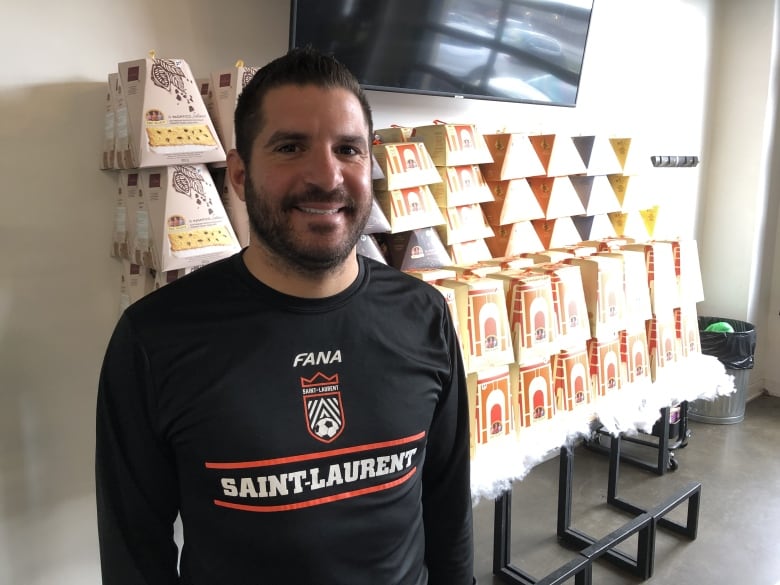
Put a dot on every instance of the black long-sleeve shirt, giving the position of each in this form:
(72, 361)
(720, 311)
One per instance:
(303, 441)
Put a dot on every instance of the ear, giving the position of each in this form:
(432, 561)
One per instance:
(236, 173)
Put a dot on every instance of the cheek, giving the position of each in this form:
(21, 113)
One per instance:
(360, 184)
(269, 186)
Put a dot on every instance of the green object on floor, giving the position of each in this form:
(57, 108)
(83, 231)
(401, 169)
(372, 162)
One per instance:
(720, 327)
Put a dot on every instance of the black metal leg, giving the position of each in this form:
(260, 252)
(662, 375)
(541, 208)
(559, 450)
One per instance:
(643, 524)
(502, 530)
(690, 493)
(593, 548)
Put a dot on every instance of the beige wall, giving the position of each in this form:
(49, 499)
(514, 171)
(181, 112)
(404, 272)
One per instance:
(645, 75)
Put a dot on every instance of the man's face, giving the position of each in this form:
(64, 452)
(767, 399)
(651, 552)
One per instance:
(308, 183)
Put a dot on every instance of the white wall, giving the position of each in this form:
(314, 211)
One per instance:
(738, 220)
(58, 287)
(645, 75)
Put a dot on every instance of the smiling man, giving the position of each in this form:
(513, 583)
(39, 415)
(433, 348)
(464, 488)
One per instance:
(302, 408)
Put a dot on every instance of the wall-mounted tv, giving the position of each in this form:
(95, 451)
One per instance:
(528, 51)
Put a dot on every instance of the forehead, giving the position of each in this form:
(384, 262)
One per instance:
(312, 108)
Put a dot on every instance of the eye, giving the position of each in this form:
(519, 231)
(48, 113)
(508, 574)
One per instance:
(348, 150)
(288, 147)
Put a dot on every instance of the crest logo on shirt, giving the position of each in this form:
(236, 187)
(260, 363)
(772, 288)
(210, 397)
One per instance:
(322, 404)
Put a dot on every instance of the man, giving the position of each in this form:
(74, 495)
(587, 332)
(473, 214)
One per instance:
(301, 407)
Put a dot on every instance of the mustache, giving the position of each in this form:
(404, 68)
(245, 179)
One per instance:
(317, 195)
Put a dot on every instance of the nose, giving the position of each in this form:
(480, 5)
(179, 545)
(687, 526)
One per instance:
(324, 169)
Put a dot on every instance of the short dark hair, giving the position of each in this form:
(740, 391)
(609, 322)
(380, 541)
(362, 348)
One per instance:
(300, 66)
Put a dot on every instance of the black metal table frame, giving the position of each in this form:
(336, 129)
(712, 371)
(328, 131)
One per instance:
(644, 524)
(662, 430)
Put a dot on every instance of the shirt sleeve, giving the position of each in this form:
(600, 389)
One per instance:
(137, 500)
(447, 507)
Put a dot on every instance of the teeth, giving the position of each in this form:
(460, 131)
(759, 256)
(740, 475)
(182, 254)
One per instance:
(319, 211)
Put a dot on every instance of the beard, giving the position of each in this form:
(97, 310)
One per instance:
(273, 228)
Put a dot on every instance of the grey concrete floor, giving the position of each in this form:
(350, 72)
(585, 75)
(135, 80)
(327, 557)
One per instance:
(738, 538)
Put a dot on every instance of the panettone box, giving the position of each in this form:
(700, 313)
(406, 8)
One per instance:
(630, 224)
(107, 152)
(479, 270)
(417, 249)
(490, 397)
(368, 246)
(514, 239)
(513, 155)
(604, 358)
(394, 134)
(484, 330)
(556, 196)
(558, 155)
(638, 306)
(631, 155)
(162, 279)
(139, 230)
(548, 256)
(404, 165)
(236, 211)
(188, 222)
(469, 252)
(226, 85)
(136, 281)
(687, 270)
(634, 357)
(591, 227)
(410, 208)
(661, 275)
(449, 298)
(597, 154)
(571, 378)
(167, 119)
(556, 233)
(595, 193)
(377, 220)
(463, 224)
(434, 275)
(454, 144)
(661, 344)
(571, 310)
(531, 312)
(513, 201)
(462, 185)
(630, 192)
(605, 297)
(535, 401)
(509, 262)
(123, 155)
(204, 86)
(580, 250)
(119, 231)
(686, 323)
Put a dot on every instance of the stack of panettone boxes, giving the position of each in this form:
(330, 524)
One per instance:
(403, 192)
(222, 89)
(554, 190)
(566, 309)
(514, 205)
(169, 216)
(457, 150)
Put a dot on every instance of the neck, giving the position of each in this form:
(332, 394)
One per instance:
(275, 273)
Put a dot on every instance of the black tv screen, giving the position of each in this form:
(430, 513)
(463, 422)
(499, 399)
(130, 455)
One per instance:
(509, 50)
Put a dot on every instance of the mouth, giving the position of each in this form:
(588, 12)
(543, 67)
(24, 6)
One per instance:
(319, 211)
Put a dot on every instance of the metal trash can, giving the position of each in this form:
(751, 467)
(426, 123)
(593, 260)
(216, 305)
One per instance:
(735, 350)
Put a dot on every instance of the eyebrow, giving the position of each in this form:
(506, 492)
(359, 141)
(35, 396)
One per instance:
(287, 136)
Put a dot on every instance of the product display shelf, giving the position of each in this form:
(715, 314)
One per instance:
(622, 414)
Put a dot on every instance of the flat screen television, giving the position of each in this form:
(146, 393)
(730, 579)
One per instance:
(508, 50)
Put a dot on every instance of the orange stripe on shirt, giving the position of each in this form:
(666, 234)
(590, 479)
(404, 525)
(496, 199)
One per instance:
(311, 456)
